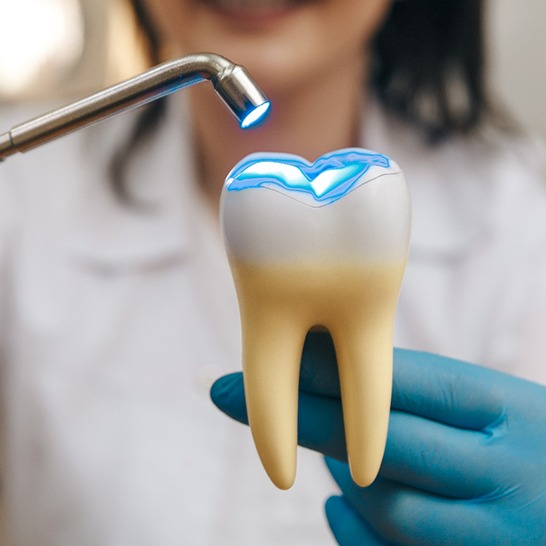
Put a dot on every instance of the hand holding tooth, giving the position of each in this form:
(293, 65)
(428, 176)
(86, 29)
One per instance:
(317, 245)
(465, 460)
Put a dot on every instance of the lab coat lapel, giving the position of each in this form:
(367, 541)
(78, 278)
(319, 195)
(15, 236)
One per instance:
(157, 231)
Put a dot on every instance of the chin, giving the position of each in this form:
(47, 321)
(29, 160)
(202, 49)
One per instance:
(273, 47)
(273, 69)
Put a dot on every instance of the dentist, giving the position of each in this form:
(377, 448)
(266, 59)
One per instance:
(117, 308)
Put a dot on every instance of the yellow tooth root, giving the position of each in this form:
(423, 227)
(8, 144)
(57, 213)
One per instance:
(365, 369)
(361, 325)
(273, 337)
(278, 305)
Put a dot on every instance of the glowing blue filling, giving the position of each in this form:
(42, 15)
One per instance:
(327, 180)
(256, 115)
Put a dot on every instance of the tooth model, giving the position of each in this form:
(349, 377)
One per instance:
(317, 245)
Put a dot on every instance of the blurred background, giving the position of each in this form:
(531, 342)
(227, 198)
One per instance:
(60, 49)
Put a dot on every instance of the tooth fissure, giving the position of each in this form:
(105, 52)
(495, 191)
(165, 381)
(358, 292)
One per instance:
(327, 180)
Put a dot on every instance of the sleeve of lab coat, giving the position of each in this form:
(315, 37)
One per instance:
(533, 334)
(532, 346)
(517, 333)
(525, 319)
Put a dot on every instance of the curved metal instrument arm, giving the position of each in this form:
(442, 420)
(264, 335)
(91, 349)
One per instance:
(232, 82)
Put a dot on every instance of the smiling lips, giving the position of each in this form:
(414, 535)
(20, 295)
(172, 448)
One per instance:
(252, 8)
(323, 244)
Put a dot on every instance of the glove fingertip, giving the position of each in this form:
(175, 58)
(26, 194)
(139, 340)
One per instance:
(339, 470)
(346, 526)
(227, 394)
(333, 506)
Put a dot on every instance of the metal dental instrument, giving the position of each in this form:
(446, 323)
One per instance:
(232, 82)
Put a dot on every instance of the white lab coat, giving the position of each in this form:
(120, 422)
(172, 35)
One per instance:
(114, 321)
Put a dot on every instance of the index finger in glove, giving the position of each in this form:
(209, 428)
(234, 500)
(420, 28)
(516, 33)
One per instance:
(443, 389)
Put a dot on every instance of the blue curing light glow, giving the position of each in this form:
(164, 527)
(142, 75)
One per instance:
(256, 115)
(327, 180)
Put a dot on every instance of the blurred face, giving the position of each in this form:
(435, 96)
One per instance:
(283, 43)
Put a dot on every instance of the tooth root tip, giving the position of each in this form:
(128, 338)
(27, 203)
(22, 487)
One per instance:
(284, 486)
(281, 472)
(363, 477)
(363, 482)
(282, 482)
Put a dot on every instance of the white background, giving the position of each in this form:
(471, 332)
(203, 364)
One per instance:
(518, 58)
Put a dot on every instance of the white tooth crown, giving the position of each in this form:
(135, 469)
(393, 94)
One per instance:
(322, 244)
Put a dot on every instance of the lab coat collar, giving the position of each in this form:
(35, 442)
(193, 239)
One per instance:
(113, 237)
(448, 185)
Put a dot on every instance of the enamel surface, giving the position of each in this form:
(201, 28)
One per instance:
(323, 244)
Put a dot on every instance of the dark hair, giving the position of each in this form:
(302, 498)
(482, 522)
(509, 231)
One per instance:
(428, 70)
(429, 66)
(151, 115)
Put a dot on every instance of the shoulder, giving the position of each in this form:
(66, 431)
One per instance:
(493, 157)
(513, 167)
(485, 187)
(45, 192)
(60, 195)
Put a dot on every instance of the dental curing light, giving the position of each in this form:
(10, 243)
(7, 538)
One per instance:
(235, 86)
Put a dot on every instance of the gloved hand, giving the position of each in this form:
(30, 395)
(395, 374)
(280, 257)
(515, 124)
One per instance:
(465, 461)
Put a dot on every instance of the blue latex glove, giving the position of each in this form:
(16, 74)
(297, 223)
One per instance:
(465, 461)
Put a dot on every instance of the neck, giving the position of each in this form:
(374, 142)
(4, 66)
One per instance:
(309, 121)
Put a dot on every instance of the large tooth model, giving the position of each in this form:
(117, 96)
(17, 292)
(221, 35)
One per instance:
(317, 245)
